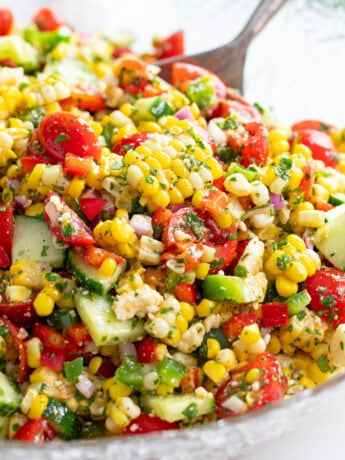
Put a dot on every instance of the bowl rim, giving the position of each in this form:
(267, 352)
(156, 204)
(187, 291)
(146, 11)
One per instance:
(303, 399)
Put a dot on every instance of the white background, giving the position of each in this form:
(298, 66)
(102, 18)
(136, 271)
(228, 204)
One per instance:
(296, 65)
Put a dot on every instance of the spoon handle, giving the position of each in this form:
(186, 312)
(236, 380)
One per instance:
(257, 21)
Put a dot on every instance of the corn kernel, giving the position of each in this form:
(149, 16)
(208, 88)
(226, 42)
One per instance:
(53, 292)
(215, 371)
(121, 231)
(126, 130)
(108, 383)
(317, 376)
(76, 187)
(127, 109)
(296, 242)
(164, 389)
(252, 376)
(213, 347)
(176, 196)
(296, 272)
(163, 159)
(285, 287)
(118, 390)
(149, 127)
(308, 264)
(36, 209)
(273, 345)
(224, 220)
(206, 308)
(307, 383)
(250, 334)
(187, 311)
(94, 364)
(201, 270)
(34, 349)
(119, 417)
(181, 323)
(303, 149)
(185, 187)
(173, 337)
(43, 374)
(197, 199)
(161, 199)
(38, 406)
(107, 268)
(227, 357)
(43, 304)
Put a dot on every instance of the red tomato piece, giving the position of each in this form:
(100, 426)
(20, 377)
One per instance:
(312, 124)
(274, 314)
(219, 183)
(46, 20)
(161, 217)
(63, 132)
(272, 386)
(6, 21)
(79, 334)
(233, 327)
(257, 145)
(36, 149)
(147, 423)
(239, 253)
(6, 226)
(182, 72)
(327, 291)
(28, 163)
(54, 359)
(215, 202)
(72, 231)
(95, 256)
(107, 369)
(323, 206)
(308, 178)
(85, 97)
(130, 143)
(191, 380)
(21, 313)
(4, 259)
(225, 254)
(239, 107)
(186, 292)
(146, 351)
(170, 46)
(35, 431)
(321, 145)
(19, 342)
(77, 166)
(92, 207)
(49, 337)
(188, 254)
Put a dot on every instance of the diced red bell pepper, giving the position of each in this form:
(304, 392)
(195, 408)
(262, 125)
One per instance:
(186, 292)
(191, 380)
(95, 256)
(161, 217)
(6, 226)
(35, 431)
(219, 183)
(54, 359)
(257, 146)
(92, 207)
(147, 423)
(4, 259)
(323, 206)
(107, 369)
(79, 334)
(308, 178)
(21, 313)
(77, 166)
(225, 254)
(28, 163)
(49, 337)
(274, 314)
(130, 143)
(215, 202)
(233, 327)
(20, 345)
(146, 351)
(170, 46)
(86, 97)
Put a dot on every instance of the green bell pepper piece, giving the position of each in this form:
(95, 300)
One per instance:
(202, 92)
(72, 369)
(129, 373)
(298, 302)
(171, 371)
(249, 174)
(222, 287)
(47, 40)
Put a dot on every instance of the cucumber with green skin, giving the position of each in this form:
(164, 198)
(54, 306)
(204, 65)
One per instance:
(32, 240)
(175, 408)
(89, 276)
(337, 199)
(105, 329)
(10, 396)
(4, 426)
(72, 70)
(21, 52)
(151, 108)
(222, 287)
(65, 422)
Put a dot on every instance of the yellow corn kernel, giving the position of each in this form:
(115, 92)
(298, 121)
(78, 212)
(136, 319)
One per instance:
(296, 242)
(36, 209)
(108, 383)
(252, 376)
(285, 287)
(215, 371)
(317, 376)
(107, 268)
(161, 199)
(126, 130)
(107, 350)
(179, 168)
(197, 199)
(163, 389)
(227, 357)
(296, 176)
(50, 279)
(288, 349)
(127, 250)
(206, 308)
(131, 158)
(187, 311)
(94, 178)
(53, 292)
(94, 364)
(308, 264)
(215, 167)
(163, 158)
(153, 163)
(181, 323)
(213, 347)
(149, 127)
(173, 337)
(177, 145)
(170, 177)
(35, 177)
(34, 349)
(121, 231)
(185, 187)
(176, 196)
(301, 361)
(7, 195)
(27, 273)
(296, 272)
(319, 350)
(274, 345)
(43, 374)
(250, 334)
(279, 147)
(13, 172)
(127, 109)
(119, 390)
(290, 332)
(38, 406)
(161, 351)
(148, 186)
(307, 383)
(201, 270)
(43, 304)
(119, 417)
(317, 193)
(17, 293)
(76, 187)
(302, 149)
(224, 220)
(275, 135)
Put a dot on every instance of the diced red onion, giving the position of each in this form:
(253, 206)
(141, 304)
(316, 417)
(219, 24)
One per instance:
(85, 386)
(91, 193)
(109, 208)
(257, 210)
(14, 184)
(176, 207)
(277, 200)
(141, 224)
(184, 114)
(307, 238)
(91, 347)
(126, 348)
(22, 201)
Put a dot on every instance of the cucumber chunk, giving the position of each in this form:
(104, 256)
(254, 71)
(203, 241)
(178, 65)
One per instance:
(4, 426)
(9, 396)
(89, 276)
(337, 199)
(72, 70)
(151, 108)
(220, 287)
(65, 422)
(298, 302)
(105, 329)
(178, 407)
(21, 52)
(329, 239)
(32, 240)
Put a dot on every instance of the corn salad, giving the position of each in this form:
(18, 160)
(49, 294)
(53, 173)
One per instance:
(169, 255)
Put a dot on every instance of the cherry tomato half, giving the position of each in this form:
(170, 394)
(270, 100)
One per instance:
(320, 144)
(63, 132)
(6, 21)
(46, 20)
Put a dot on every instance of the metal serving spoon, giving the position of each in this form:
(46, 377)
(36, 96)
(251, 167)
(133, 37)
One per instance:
(227, 61)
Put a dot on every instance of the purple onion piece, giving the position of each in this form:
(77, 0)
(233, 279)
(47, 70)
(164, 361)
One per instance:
(277, 200)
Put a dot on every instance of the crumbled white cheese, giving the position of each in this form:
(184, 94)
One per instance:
(139, 302)
(191, 339)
